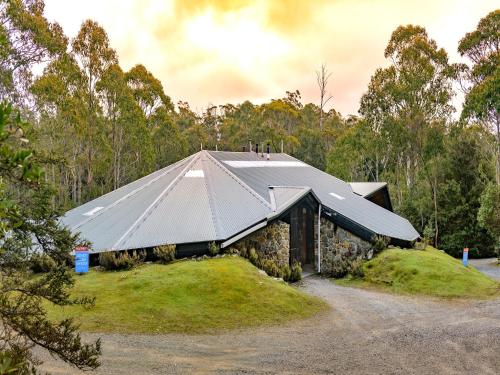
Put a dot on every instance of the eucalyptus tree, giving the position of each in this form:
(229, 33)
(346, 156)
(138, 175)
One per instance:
(60, 137)
(28, 38)
(94, 55)
(408, 105)
(482, 101)
(127, 134)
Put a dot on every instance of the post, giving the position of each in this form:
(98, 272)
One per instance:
(281, 146)
(81, 259)
(319, 238)
(465, 258)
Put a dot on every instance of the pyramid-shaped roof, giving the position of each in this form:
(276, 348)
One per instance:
(213, 196)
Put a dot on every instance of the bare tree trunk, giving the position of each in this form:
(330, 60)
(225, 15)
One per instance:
(322, 77)
(497, 124)
(436, 233)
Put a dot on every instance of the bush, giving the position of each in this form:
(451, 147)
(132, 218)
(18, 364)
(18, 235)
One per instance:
(286, 272)
(380, 242)
(271, 268)
(213, 249)
(41, 263)
(13, 363)
(115, 261)
(165, 253)
(356, 268)
(253, 257)
(295, 272)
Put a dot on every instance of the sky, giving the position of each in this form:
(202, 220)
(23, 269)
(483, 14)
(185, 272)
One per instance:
(212, 52)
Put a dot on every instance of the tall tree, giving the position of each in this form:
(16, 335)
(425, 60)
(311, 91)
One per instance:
(408, 102)
(94, 55)
(28, 39)
(482, 100)
(128, 136)
(60, 138)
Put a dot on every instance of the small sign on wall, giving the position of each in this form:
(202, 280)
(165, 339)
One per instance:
(81, 259)
(465, 258)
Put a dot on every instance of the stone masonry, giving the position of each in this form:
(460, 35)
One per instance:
(271, 242)
(340, 248)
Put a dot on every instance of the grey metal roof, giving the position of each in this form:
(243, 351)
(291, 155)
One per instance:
(331, 191)
(194, 200)
(212, 196)
(367, 188)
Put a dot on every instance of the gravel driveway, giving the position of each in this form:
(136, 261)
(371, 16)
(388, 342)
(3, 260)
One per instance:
(487, 266)
(365, 332)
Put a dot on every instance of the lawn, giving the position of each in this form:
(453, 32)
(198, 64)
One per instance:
(187, 297)
(428, 272)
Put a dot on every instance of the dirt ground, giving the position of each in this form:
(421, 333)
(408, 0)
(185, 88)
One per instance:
(487, 266)
(365, 332)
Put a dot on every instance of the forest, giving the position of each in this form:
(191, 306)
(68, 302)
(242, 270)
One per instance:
(94, 127)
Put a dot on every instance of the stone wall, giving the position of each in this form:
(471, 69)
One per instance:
(340, 249)
(271, 242)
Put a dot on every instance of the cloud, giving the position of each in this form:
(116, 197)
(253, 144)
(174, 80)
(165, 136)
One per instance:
(218, 51)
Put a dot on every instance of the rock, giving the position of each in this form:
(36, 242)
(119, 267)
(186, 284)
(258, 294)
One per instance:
(262, 272)
(369, 255)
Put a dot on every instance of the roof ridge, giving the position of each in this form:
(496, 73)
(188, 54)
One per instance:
(211, 202)
(239, 181)
(133, 192)
(137, 222)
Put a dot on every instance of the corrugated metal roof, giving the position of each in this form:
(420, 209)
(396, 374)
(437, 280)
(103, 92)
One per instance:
(204, 198)
(366, 188)
(343, 200)
(195, 200)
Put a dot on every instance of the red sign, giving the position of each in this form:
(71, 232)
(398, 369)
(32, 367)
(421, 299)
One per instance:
(81, 248)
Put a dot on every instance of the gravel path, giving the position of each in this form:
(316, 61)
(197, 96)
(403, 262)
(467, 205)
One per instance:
(365, 332)
(487, 266)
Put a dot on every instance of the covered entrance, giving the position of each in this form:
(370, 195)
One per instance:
(302, 233)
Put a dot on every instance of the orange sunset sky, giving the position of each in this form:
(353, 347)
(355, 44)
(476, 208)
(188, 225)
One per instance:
(214, 52)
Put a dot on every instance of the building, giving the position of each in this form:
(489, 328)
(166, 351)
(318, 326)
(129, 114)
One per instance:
(286, 209)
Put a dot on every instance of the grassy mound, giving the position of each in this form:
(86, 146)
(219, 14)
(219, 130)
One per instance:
(187, 296)
(430, 272)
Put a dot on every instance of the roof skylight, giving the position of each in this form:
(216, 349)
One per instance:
(263, 163)
(93, 211)
(195, 173)
(337, 196)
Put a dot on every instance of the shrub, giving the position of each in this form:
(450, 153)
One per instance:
(380, 242)
(213, 249)
(165, 253)
(253, 257)
(356, 268)
(271, 268)
(286, 272)
(295, 272)
(41, 263)
(13, 363)
(114, 261)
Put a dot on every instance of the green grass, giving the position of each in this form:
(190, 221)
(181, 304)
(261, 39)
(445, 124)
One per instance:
(188, 297)
(427, 272)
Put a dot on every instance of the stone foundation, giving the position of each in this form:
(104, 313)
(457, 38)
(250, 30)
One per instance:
(340, 248)
(271, 242)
